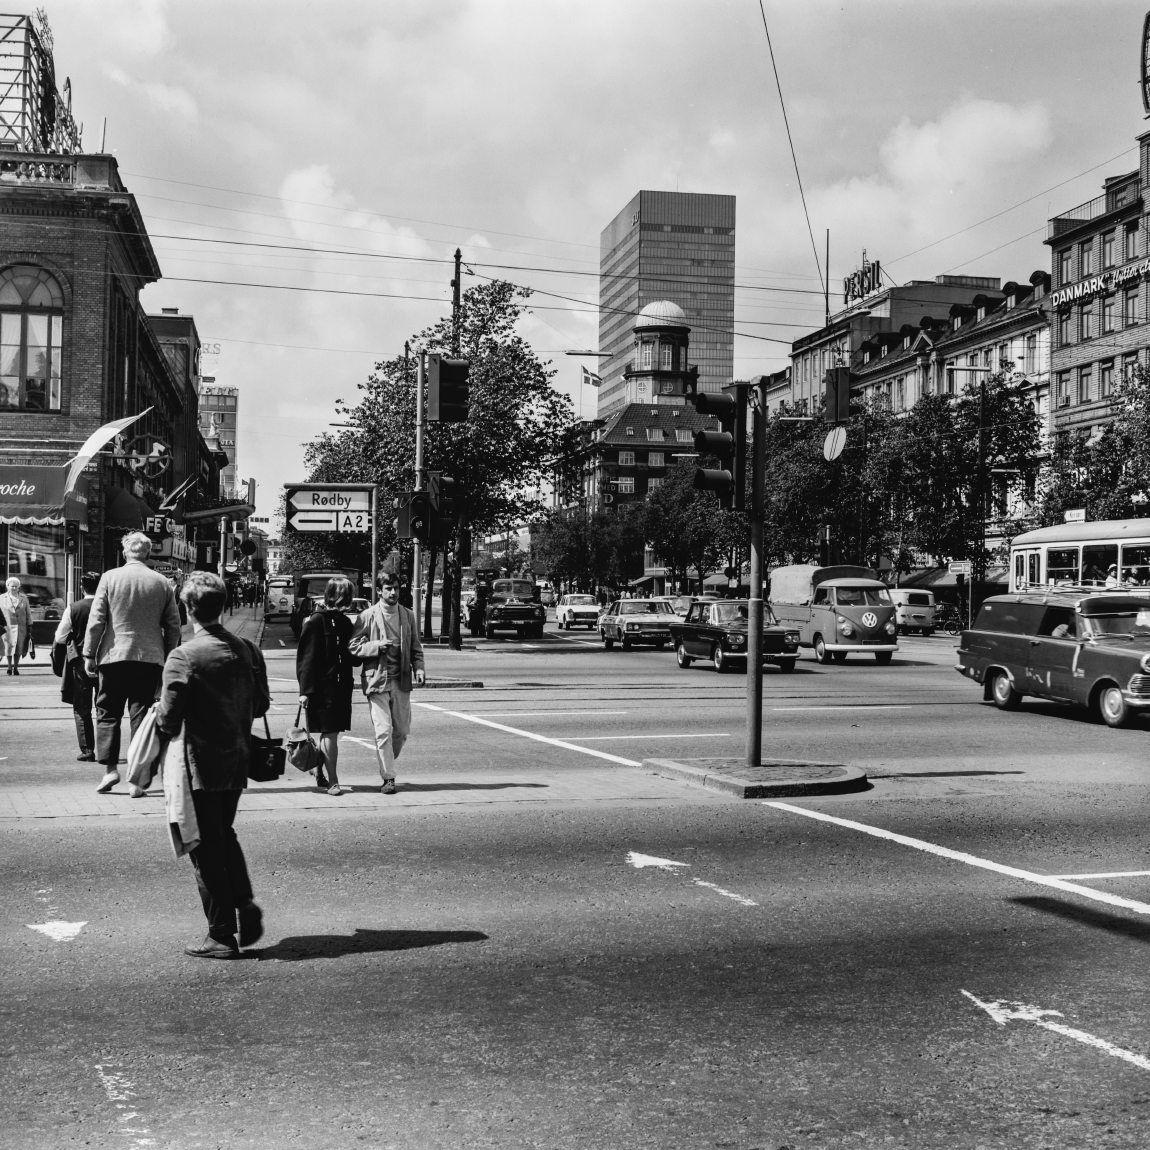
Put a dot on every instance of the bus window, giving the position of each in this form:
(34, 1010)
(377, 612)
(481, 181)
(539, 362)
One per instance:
(1019, 570)
(1062, 565)
(1033, 569)
(1136, 564)
(1097, 559)
(1027, 569)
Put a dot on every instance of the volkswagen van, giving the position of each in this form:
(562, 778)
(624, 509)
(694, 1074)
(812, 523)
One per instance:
(913, 610)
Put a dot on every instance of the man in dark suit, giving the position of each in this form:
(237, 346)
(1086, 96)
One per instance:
(77, 688)
(213, 687)
(133, 625)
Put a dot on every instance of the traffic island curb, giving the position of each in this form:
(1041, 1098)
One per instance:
(771, 779)
(444, 683)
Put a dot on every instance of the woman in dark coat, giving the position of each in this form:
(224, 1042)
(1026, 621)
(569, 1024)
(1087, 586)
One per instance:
(323, 668)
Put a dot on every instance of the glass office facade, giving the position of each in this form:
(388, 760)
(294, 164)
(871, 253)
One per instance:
(677, 246)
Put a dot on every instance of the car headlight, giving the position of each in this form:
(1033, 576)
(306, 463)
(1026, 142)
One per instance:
(793, 637)
(632, 626)
(1144, 663)
(735, 640)
(891, 629)
(846, 628)
(540, 612)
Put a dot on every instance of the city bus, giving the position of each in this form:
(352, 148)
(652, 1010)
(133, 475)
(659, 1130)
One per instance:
(1108, 553)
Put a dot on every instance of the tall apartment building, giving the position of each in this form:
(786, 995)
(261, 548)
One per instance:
(219, 411)
(673, 246)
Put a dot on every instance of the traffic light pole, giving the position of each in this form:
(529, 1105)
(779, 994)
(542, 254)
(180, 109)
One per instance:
(416, 548)
(758, 398)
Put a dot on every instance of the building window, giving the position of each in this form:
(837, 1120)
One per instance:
(1106, 379)
(1065, 271)
(655, 434)
(654, 483)
(31, 339)
(900, 393)
(655, 459)
(682, 435)
(630, 431)
(1129, 363)
(1086, 258)
(1108, 250)
(645, 357)
(1086, 321)
(1130, 307)
(626, 459)
(1130, 244)
(1064, 328)
(1030, 355)
(1063, 388)
(625, 485)
(664, 357)
(1084, 381)
(1108, 316)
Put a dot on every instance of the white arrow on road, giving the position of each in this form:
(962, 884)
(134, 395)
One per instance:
(59, 931)
(1005, 1011)
(639, 861)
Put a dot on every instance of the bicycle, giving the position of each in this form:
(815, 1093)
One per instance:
(947, 618)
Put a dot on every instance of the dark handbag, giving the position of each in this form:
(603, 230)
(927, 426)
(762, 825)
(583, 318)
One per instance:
(266, 761)
(59, 659)
(302, 751)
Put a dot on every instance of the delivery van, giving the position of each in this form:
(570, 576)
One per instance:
(913, 610)
(837, 610)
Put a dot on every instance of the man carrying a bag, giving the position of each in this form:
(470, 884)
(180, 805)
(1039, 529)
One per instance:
(386, 642)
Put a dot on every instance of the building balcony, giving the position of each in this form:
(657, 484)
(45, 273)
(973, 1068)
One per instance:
(52, 170)
(1091, 210)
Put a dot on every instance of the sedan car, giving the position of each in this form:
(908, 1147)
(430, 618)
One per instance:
(718, 631)
(682, 603)
(577, 611)
(632, 621)
(1090, 649)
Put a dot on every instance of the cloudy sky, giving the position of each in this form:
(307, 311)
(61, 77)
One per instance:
(307, 169)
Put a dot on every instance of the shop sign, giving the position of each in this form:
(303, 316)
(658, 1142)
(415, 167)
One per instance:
(1095, 285)
(863, 282)
(32, 485)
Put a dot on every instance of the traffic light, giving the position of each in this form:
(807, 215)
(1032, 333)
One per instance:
(433, 478)
(728, 445)
(837, 389)
(422, 516)
(71, 537)
(402, 520)
(448, 389)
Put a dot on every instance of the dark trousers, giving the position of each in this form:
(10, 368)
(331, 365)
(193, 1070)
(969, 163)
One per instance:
(135, 685)
(83, 692)
(221, 872)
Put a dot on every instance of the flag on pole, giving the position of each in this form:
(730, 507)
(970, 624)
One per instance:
(589, 377)
(93, 444)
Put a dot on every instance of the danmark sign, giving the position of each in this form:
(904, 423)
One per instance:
(1095, 285)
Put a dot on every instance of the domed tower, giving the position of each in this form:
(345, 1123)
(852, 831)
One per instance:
(658, 369)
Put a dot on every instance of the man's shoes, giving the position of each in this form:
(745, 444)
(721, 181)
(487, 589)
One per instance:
(251, 920)
(137, 792)
(389, 787)
(86, 757)
(212, 948)
(108, 782)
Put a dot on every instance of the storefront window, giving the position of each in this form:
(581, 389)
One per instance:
(35, 556)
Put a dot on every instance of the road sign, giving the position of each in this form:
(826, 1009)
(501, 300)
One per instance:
(318, 500)
(1076, 516)
(959, 567)
(353, 521)
(834, 443)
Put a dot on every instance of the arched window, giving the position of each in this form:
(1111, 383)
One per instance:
(31, 339)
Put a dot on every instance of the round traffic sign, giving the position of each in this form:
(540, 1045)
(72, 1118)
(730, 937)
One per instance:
(834, 443)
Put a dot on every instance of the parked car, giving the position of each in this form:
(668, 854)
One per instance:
(577, 610)
(631, 621)
(717, 630)
(681, 604)
(278, 599)
(913, 610)
(1091, 649)
(307, 592)
(512, 605)
(356, 608)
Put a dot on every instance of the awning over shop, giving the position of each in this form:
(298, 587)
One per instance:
(940, 578)
(642, 581)
(123, 509)
(34, 495)
(717, 579)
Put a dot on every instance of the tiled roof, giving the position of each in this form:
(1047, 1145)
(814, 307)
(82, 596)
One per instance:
(641, 416)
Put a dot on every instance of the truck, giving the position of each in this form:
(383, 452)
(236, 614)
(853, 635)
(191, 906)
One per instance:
(510, 604)
(837, 611)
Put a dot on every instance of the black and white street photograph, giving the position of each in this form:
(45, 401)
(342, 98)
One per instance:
(575, 576)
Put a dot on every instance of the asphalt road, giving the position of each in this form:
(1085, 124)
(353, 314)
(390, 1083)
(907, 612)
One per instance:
(538, 944)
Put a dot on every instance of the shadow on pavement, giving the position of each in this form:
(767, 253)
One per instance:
(299, 948)
(1088, 916)
(940, 774)
(406, 786)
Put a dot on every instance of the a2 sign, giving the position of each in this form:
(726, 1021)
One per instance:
(329, 509)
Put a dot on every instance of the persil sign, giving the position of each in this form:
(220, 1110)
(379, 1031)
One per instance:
(1095, 285)
(861, 283)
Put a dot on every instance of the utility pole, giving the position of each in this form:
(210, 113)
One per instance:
(416, 549)
(758, 399)
(456, 641)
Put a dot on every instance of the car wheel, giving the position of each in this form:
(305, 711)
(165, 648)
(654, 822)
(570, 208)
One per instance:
(822, 655)
(681, 657)
(720, 660)
(1002, 693)
(882, 658)
(839, 656)
(607, 643)
(786, 665)
(1112, 706)
(625, 643)
(927, 632)
(490, 633)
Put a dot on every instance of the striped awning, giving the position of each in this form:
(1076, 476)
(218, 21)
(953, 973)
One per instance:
(33, 495)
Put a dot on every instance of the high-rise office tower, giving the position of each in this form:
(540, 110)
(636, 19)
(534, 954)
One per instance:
(676, 246)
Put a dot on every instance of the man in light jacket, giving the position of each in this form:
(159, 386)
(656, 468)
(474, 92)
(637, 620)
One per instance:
(134, 623)
(386, 641)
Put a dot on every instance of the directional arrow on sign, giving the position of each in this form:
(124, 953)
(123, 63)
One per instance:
(1003, 1012)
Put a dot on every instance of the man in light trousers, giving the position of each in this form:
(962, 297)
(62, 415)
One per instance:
(386, 641)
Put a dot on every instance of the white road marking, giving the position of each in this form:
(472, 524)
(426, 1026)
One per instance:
(612, 738)
(851, 707)
(1003, 1012)
(532, 714)
(58, 931)
(119, 1090)
(282, 643)
(970, 860)
(639, 861)
(531, 735)
(1108, 874)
